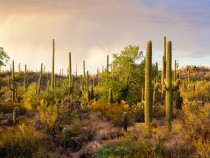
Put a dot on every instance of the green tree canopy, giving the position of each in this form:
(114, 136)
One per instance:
(127, 75)
(4, 58)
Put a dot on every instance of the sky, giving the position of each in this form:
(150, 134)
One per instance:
(93, 29)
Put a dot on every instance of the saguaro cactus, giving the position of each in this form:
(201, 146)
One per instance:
(188, 76)
(168, 87)
(178, 100)
(148, 85)
(25, 78)
(12, 84)
(107, 63)
(65, 135)
(91, 92)
(19, 67)
(175, 66)
(70, 69)
(163, 76)
(40, 79)
(84, 68)
(142, 94)
(53, 66)
(157, 76)
(110, 97)
(125, 121)
(15, 115)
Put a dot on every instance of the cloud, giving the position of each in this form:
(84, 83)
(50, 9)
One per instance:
(92, 29)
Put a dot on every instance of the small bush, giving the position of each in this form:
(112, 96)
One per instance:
(20, 141)
(8, 108)
(49, 115)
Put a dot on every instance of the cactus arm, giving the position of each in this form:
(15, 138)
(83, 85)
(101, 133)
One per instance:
(176, 85)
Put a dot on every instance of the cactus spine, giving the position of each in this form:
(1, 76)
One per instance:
(125, 121)
(110, 98)
(53, 66)
(70, 69)
(148, 85)
(40, 79)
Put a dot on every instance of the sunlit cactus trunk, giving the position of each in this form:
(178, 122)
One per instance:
(169, 94)
(148, 85)
(169, 88)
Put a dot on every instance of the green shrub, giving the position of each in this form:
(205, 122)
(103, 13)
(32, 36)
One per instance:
(49, 115)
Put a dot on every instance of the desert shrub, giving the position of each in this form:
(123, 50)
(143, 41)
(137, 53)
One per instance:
(202, 91)
(113, 112)
(3, 82)
(130, 146)
(20, 141)
(49, 115)
(197, 120)
(158, 111)
(8, 108)
(31, 98)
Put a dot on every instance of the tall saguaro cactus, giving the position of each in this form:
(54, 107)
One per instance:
(148, 85)
(53, 66)
(40, 79)
(70, 69)
(107, 63)
(84, 68)
(25, 78)
(12, 85)
(169, 88)
(163, 76)
(175, 66)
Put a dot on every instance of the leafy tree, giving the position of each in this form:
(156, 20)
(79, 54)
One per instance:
(4, 58)
(127, 75)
